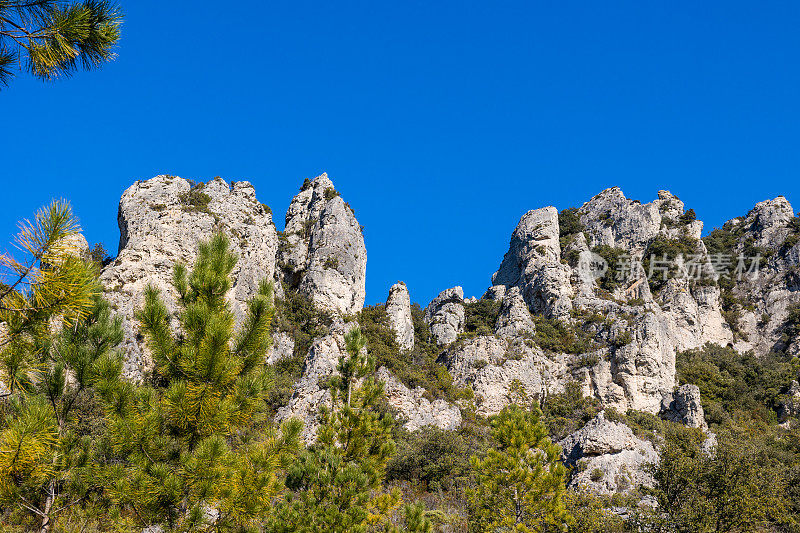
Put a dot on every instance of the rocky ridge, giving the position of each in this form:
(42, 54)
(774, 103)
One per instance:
(559, 280)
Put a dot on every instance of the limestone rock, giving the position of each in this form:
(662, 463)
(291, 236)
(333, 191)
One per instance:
(610, 457)
(445, 315)
(161, 221)
(684, 406)
(309, 395)
(398, 308)
(514, 317)
(323, 254)
(417, 410)
(489, 365)
(533, 263)
(282, 347)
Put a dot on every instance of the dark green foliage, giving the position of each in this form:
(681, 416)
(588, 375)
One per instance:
(195, 200)
(436, 457)
(331, 193)
(267, 209)
(792, 238)
(688, 217)
(791, 327)
(480, 317)
(415, 368)
(741, 487)
(99, 256)
(612, 257)
(331, 262)
(566, 412)
(732, 383)
(569, 224)
(557, 336)
(337, 484)
(663, 249)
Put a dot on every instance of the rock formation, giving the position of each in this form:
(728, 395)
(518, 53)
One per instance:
(398, 308)
(161, 220)
(415, 409)
(533, 263)
(445, 315)
(610, 458)
(322, 252)
(683, 406)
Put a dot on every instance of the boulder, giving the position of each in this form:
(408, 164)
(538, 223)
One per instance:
(684, 406)
(609, 457)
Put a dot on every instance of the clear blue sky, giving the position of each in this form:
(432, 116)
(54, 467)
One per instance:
(440, 122)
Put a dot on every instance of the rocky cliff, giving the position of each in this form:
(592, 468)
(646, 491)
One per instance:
(604, 295)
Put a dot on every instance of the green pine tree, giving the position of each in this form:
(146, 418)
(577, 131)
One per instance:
(520, 483)
(49, 444)
(54, 38)
(337, 484)
(200, 451)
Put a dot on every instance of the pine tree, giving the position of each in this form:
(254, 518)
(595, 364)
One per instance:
(51, 283)
(520, 483)
(56, 37)
(199, 448)
(47, 455)
(337, 484)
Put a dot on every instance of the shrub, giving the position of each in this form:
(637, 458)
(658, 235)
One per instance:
(480, 317)
(195, 200)
(556, 336)
(331, 262)
(688, 217)
(732, 383)
(569, 225)
(596, 475)
(613, 257)
(414, 368)
(567, 412)
(662, 249)
(331, 193)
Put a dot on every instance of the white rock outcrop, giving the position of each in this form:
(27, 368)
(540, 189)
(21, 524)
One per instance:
(533, 263)
(398, 308)
(610, 457)
(490, 365)
(323, 253)
(161, 222)
(445, 315)
(684, 406)
(415, 409)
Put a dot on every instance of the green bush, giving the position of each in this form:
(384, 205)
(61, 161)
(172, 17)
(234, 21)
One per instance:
(567, 412)
(661, 248)
(414, 368)
(296, 315)
(612, 257)
(331, 193)
(569, 225)
(480, 317)
(556, 336)
(195, 200)
(736, 384)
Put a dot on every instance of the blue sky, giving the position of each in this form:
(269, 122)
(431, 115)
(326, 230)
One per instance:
(440, 122)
